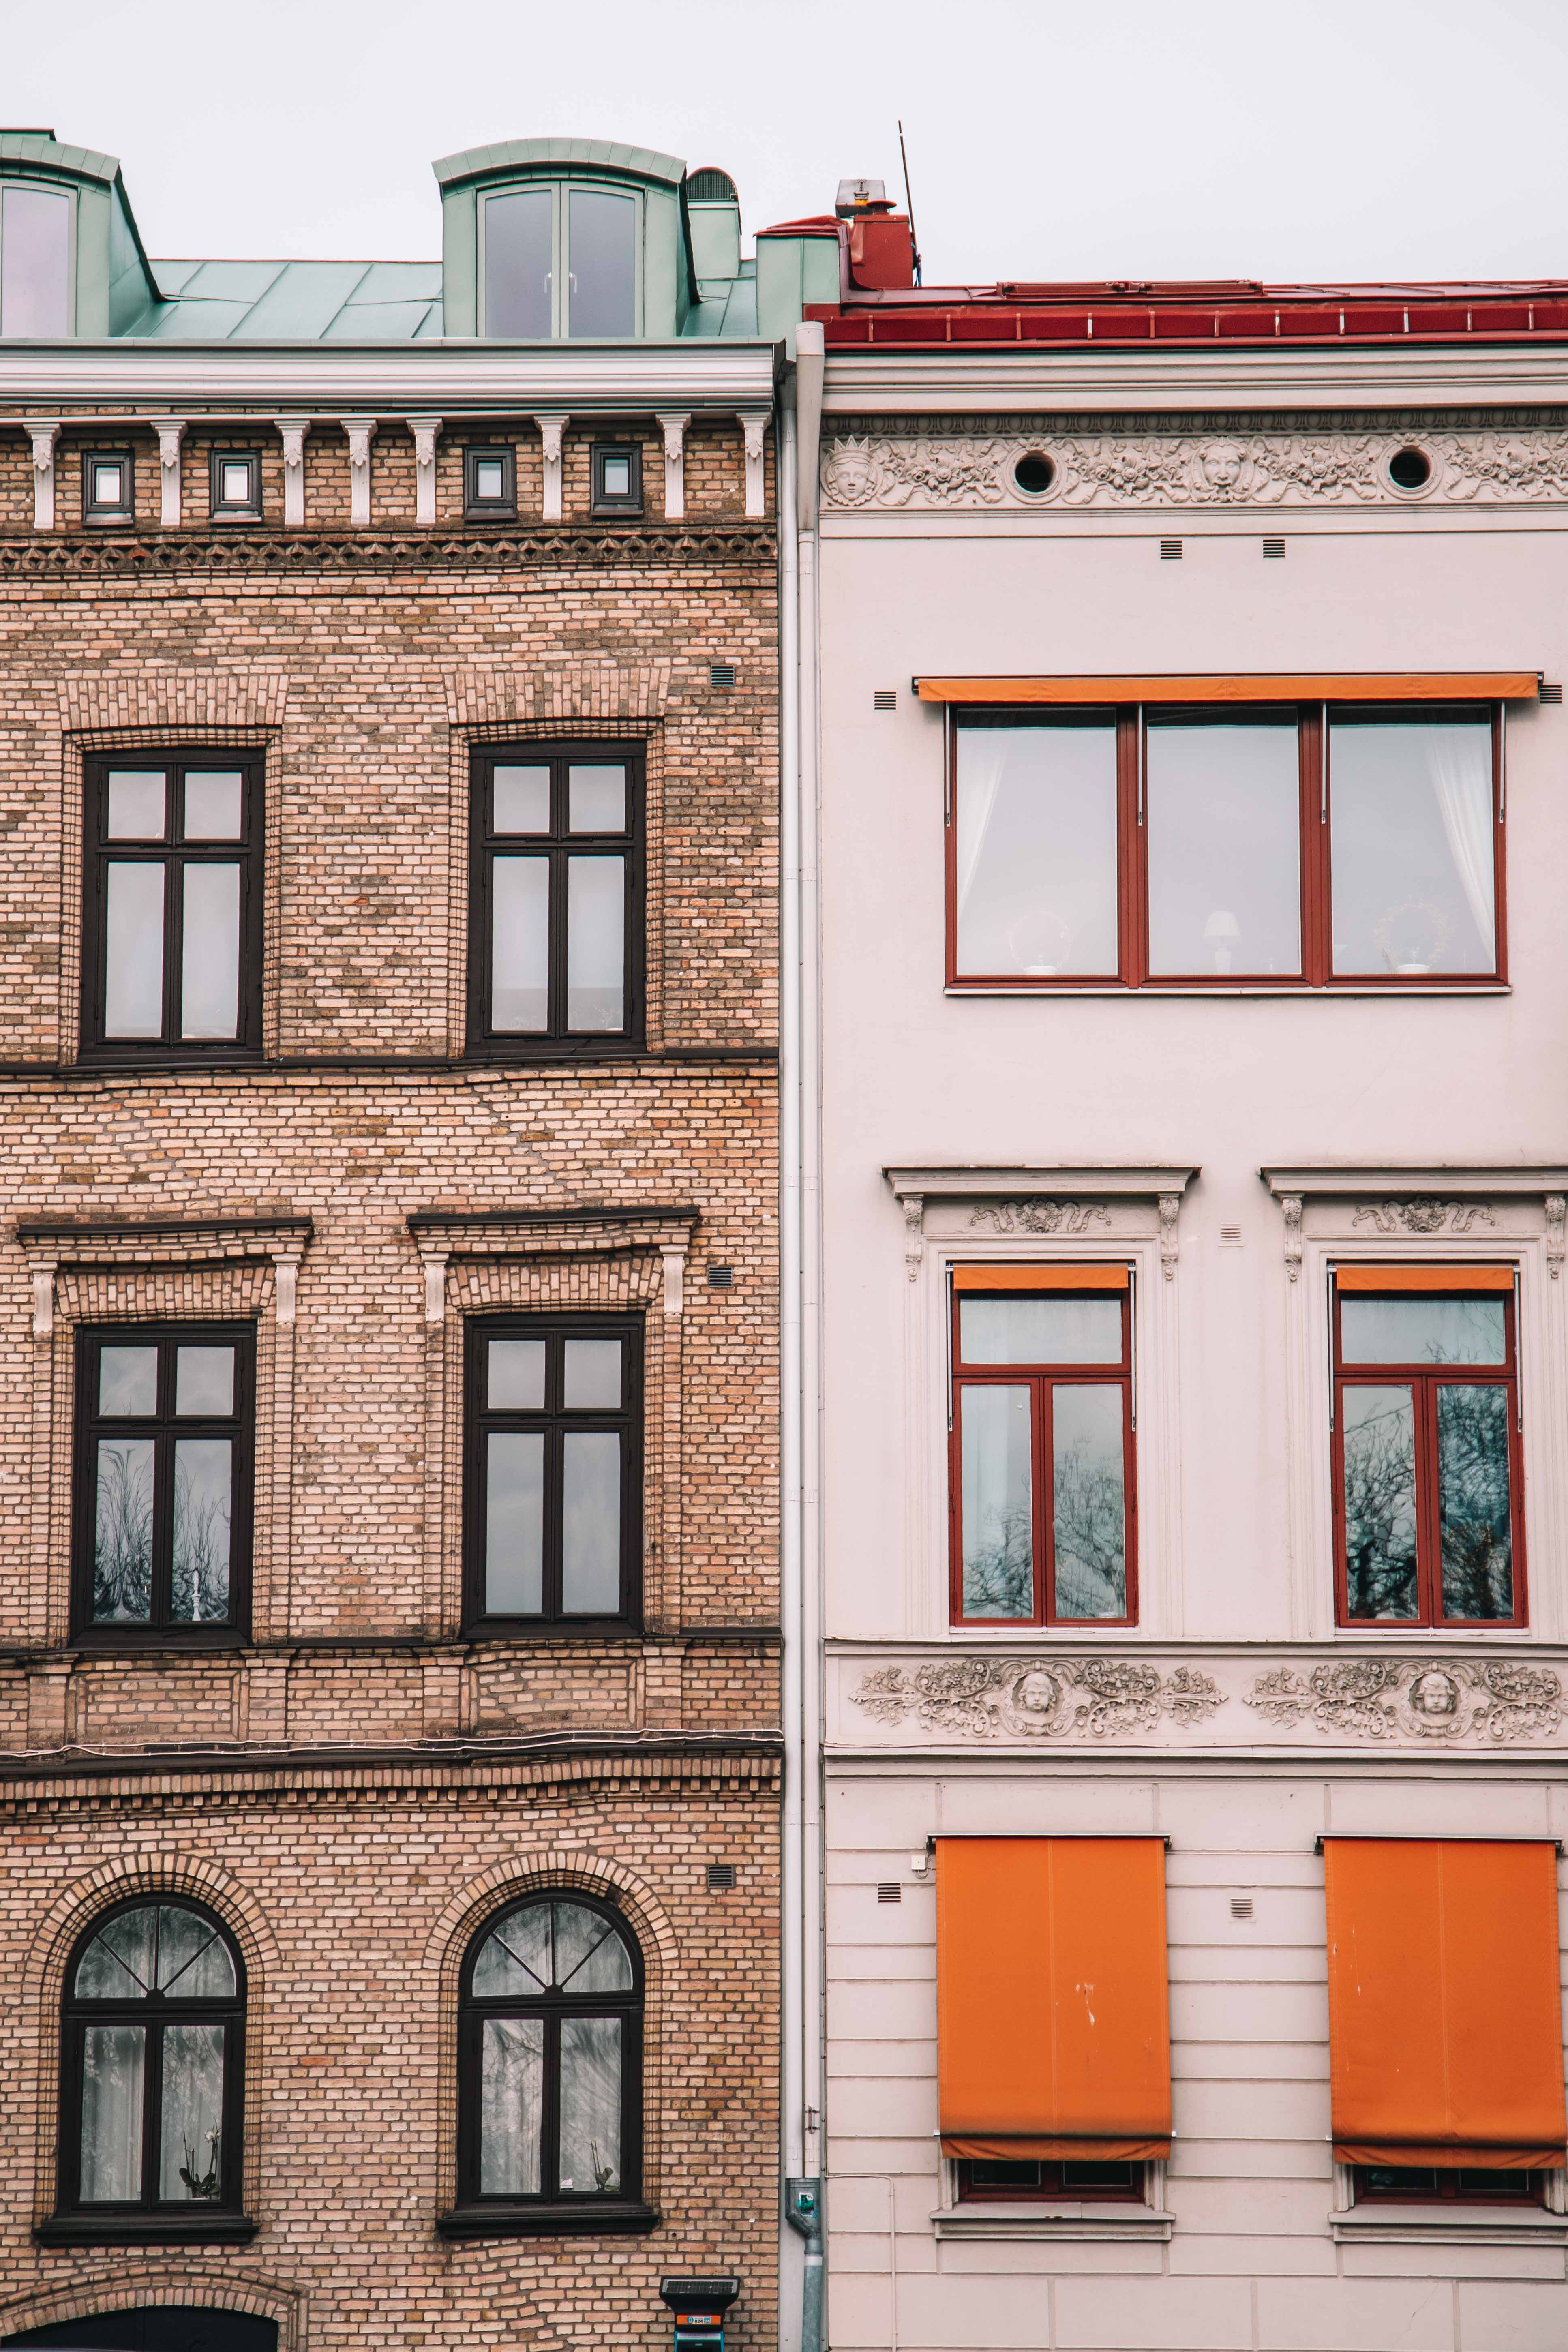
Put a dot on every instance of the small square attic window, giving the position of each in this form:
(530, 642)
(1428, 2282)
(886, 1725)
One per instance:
(618, 477)
(106, 492)
(236, 485)
(489, 484)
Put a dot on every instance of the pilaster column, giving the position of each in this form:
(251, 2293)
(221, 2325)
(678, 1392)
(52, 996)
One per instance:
(361, 431)
(41, 432)
(551, 427)
(427, 432)
(755, 429)
(291, 432)
(674, 464)
(170, 432)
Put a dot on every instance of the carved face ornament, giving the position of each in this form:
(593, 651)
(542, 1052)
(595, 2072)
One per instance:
(1434, 1694)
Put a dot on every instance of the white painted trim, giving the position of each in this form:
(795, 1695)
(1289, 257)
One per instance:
(170, 432)
(42, 432)
(705, 375)
(754, 428)
(427, 432)
(955, 1181)
(361, 431)
(674, 423)
(552, 424)
(292, 430)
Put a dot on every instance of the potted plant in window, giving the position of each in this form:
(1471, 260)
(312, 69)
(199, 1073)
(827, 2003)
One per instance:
(1412, 937)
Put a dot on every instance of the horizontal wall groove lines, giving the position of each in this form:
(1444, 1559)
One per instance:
(405, 1645)
(370, 1064)
(564, 548)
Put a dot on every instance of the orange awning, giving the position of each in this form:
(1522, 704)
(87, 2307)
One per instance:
(1445, 2003)
(1307, 685)
(1053, 2016)
(1423, 1278)
(1040, 1277)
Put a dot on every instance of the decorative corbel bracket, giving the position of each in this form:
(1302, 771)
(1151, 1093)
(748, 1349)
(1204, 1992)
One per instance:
(674, 1258)
(755, 428)
(291, 432)
(361, 431)
(1169, 1210)
(674, 426)
(1556, 1213)
(914, 1209)
(427, 432)
(42, 432)
(551, 426)
(1290, 1206)
(170, 432)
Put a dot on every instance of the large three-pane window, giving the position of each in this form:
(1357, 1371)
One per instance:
(1306, 846)
(1042, 1490)
(171, 907)
(556, 891)
(553, 1496)
(1428, 1463)
(164, 1417)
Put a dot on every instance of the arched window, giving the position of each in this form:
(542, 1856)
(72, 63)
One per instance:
(153, 2053)
(550, 2077)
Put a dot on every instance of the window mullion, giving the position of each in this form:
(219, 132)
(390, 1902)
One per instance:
(151, 2108)
(550, 2119)
(553, 1581)
(1429, 1503)
(1044, 1506)
(174, 937)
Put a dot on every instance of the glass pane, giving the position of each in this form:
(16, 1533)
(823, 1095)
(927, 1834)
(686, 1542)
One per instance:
(616, 472)
(489, 478)
(516, 1375)
(997, 1498)
(516, 1958)
(1222, 812)
(134, 952)
(1089, 1501)
(209, 976)
(1417, 1330)
(592, 1372)
(136, 805)
(236, 482)
(602, 258)
(118, 1962)
(190, 2162)
(203, 1486)
(518, 263)
(193, 1959)
(1473, 1500)
(107, 477)
(514, 1523)
(595, 942)
(1380, 1500)
(590, 2106)
(589, 1954)
(122, 1533)
(112, 2076)
(597, 800)
(521, 800)
(127, 1381)
(1412, 848)
(35, 263)
(591, 1522)
(203, 1380)
(1085, 1329)
(520, 950)
(511, 2105)
(213, 806)
(1036, 849)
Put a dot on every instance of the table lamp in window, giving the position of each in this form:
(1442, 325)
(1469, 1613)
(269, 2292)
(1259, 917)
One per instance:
(1221, 933)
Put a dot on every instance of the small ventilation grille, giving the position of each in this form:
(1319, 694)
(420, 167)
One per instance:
(721, 1277)
(1550, 693)
(1169, 551)
(722, 674)
(1274, 547)
(721, 1877)
(889, 1891)
(885, 698)
(1241, 1906)
(1230, 1236)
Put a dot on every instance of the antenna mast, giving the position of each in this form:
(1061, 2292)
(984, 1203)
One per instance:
(909, 202)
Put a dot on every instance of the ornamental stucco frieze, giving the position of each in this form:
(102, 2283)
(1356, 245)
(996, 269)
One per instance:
(1446, 1700)
(1032, 1699)
(1258, 469)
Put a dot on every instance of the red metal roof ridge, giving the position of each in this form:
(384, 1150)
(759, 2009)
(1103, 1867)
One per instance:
(1203, 292)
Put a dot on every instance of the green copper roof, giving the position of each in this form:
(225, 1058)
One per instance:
(294, 301)
(601, 155)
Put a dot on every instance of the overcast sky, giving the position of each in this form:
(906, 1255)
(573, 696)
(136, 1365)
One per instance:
(1340, 138)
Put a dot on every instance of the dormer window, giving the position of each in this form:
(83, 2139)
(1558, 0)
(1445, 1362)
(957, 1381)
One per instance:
(35, 260)
(561, 260)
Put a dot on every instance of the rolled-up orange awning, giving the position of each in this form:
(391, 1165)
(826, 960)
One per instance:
(1053, 2014)
(1293, 686)
(1445, 2003)
(1423, 1278)
(1041, 1277)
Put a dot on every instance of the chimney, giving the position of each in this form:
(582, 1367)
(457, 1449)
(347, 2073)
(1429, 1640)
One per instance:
(881, 250)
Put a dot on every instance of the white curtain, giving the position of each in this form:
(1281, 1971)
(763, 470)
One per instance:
(981, 756)
(1459, 761)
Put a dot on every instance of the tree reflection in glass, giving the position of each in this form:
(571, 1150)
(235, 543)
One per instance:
(1380, 1500)
(1089, 1500)
(998, 1533)
(1473, 1501)
(123, 1532)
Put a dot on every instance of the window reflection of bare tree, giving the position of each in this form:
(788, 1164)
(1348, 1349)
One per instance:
(201, 1552)
(1379, 1505)
(999, 1566)
(1090, 1533)
(123, 1555)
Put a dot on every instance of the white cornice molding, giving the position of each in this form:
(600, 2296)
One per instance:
(949, 380)
(973, 1182)
(1342, 1181)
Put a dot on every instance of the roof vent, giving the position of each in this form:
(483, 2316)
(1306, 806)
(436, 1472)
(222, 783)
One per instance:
(710, 187)
(860, 196)
(1550, 693)
(721, 1877)
(1169, 551)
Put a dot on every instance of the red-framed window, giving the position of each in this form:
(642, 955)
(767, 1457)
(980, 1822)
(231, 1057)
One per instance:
(1042, 1485)
(1428, 1463)
(1306, 846)
(1047, 2181)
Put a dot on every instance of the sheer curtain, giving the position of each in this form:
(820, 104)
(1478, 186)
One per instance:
(982, 757)
(1460, 761)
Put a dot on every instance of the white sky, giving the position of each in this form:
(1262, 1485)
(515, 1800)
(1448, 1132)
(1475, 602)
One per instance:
(1336, 139)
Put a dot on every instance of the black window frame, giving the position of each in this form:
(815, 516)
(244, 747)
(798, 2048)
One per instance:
(1448, 2185)
(150, 2216)
(124, 510)
(552, 2212)
(555, 1042)
(222, 510)
(480, 1419)
(482, 510)
(99, 852)
(609, 503)
(1051, 2185)
(160, 1631)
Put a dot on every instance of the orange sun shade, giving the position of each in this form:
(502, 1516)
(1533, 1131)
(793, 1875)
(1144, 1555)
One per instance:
(1040, 1277)
(1053, 2017)
(1445, 2003)
(1423, 1278)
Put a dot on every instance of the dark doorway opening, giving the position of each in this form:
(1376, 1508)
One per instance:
(160, 2327)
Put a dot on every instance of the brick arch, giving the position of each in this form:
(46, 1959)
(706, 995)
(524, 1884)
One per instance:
(141, 2280)
(505, 1882)
(43, 1985)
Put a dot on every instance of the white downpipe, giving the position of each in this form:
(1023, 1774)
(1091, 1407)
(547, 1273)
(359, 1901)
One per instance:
(792, 2090)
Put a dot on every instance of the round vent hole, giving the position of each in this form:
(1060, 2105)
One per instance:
(1410, 469)
(1033, 472)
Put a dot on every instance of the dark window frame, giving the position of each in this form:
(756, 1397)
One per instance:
(150, 2215)
(480, 1419)
(99, 852)
(222, 510)
(125, 510)
(552, 2208)
(1426, 1380)
(1039, 1378)
(481, 509)
(160, 1631)
(555, 1042)
(1051, 2185)
(1524, 2188)
(610, 503)
(1316, 855)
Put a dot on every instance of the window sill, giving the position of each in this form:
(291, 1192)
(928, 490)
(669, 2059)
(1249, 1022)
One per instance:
(584, 2221)
(145, 2230)
(1378, 2224)
(1228, 989)
(1075, 2224)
